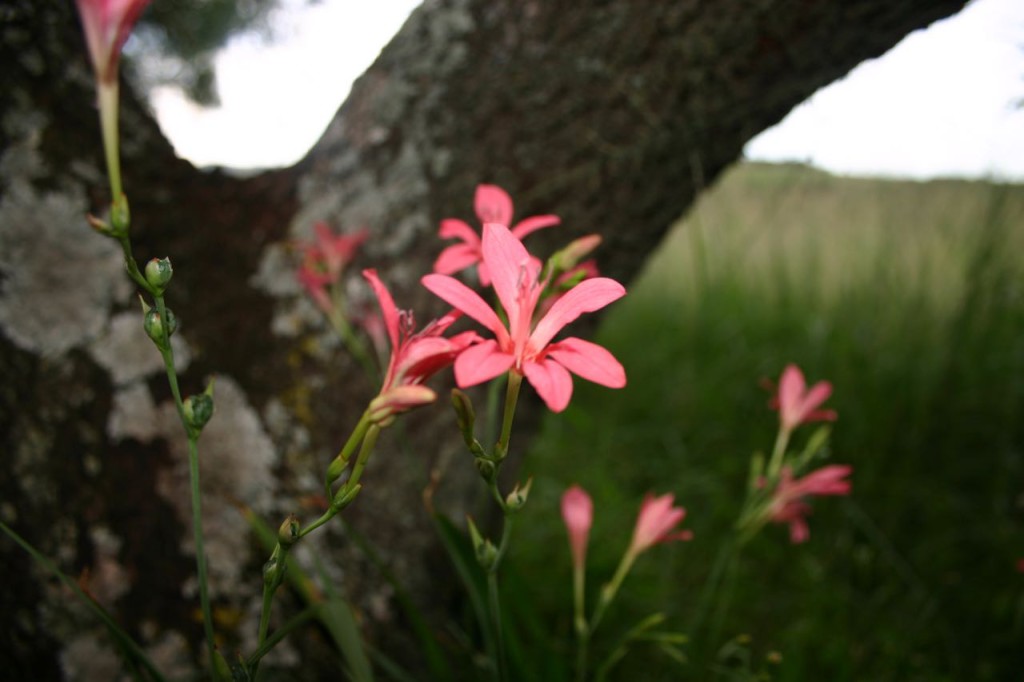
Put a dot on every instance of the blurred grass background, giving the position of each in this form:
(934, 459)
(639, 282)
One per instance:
(909, 297)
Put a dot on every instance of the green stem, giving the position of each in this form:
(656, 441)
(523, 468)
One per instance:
(778, 453)
(611, 589)
(580, 620)
(515, 380)
(495, 604)
(107, 94)
(197, 533)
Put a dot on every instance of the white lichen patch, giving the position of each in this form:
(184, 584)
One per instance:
(89, 657)
(58, 278)
(237, 459)
(134, 415)
(129, 355)
(107, 578)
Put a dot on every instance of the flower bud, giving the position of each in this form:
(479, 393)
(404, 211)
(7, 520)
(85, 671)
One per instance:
(158, 273)
(345, 497)
(517, 498)
(154, 326)
(288, 533)
(335, 469)
(464, 415)
(273, 571)
(198, 410)
(486, 468)
(486, 552)
(578, 249)
(120, 217)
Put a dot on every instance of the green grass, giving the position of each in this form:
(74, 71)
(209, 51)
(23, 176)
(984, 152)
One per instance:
(909, 297)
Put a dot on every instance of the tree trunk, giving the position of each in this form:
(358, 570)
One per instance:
(612, 114)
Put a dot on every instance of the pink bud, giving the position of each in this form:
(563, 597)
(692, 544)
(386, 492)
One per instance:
(107, 24)
(578, 514)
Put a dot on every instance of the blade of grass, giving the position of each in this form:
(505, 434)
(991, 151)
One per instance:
(130, 650)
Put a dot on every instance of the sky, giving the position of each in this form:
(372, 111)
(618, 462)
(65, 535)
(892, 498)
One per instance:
(947, 101)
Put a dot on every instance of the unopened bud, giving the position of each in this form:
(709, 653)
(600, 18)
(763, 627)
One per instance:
(345, 497)
(517, 498)
(575, 251)
(158, 273)
(485, 551)
(465, 416)
(120, 217)
(486, 468)
(199, 410)
(273, 571)
(154, 325)
(288, 533)
(335, 469)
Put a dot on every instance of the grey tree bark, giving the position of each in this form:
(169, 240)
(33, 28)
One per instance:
(612, 114)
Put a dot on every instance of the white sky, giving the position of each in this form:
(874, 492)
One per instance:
(941, 103)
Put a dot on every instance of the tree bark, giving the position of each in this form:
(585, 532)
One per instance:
(612, 114)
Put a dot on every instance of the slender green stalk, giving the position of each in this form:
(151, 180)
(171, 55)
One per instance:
(197, 534)
(580, 619)
(107, 93)
(778, 453)
(130, 647)
(494, 600)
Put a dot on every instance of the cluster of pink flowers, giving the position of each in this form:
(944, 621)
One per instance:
(798, 404)
(536, 312)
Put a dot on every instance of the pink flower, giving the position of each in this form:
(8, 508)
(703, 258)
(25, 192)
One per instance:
(324, 259)
(578, 514)
(415, 357)
(655, 523)
(315, 283)
(787, 505)
(797, 404)
(525, 347)
(493, 205)
(107, 24)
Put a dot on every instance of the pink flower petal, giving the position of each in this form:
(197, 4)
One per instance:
(587, 296)
(481, 363)
(533, 223)
(552, 382)
(508, 263)
(458, 295)
(493, 205)
(455, 258)
(588, 360)
(453, 228)
(387, 306)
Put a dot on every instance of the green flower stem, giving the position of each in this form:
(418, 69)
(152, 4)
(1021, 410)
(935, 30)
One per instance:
(515, 380)
(197, 532)
(585, 630)
(778, 453)
(107, 94)
(354, 439)
(580, 619)
(193, 473)
(494, 601)
(369, 441)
